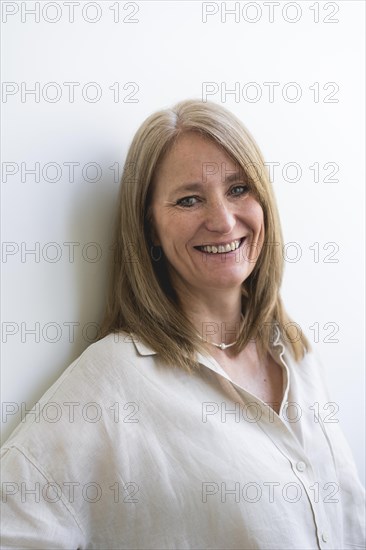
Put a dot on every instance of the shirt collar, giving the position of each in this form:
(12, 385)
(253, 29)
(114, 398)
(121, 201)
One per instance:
(144, 349)
(205, 360)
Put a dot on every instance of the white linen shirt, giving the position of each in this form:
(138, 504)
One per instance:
(125, 452)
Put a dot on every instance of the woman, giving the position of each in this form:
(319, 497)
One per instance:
(197, 418)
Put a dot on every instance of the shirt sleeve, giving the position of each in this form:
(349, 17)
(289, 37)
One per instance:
(35, 512)
(351, 490)
(352, 493)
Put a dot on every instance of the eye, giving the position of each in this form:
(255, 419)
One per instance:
(240, 189)
(186, 202)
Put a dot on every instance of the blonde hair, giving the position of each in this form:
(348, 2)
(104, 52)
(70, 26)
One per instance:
(141, 299)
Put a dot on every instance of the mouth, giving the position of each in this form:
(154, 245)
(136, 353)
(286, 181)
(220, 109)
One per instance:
(221, 248)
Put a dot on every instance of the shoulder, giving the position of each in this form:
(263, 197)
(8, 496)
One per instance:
(113, 347)
(308, 372)
(108, 371)
(115, 356)
(310, 357)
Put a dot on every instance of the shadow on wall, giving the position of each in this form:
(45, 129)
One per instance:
(73, 290)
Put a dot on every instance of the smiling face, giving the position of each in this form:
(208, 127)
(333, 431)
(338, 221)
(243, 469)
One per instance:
(204, 216)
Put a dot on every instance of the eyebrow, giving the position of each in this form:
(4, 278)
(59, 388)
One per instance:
(196, 185)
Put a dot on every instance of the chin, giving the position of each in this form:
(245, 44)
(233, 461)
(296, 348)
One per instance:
(223, 283)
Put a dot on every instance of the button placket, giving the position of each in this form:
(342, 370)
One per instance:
(287, 443)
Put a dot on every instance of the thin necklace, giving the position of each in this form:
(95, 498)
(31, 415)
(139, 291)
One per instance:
(222, 346)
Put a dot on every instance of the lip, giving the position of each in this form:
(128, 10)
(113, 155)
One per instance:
(233, 252)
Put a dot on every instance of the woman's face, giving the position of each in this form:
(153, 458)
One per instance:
(200, 199)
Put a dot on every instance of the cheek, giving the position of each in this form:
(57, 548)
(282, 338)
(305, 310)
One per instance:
(260, 216)
(257, 224)
(165, 231)
(159, 223)
(254, 213)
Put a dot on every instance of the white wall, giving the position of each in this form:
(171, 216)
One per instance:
(169, 53)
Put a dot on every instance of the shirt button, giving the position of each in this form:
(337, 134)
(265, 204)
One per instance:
(301, 466)
(324, 537)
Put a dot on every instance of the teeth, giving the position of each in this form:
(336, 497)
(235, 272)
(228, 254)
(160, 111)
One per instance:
(222, 248)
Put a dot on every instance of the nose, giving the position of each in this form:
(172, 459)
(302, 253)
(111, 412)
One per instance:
(219, 217)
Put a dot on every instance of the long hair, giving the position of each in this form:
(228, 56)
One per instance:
(141, 299)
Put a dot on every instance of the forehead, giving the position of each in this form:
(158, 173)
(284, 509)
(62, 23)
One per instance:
(194, 154)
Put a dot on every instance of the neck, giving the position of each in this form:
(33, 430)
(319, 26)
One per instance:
(216, 316)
